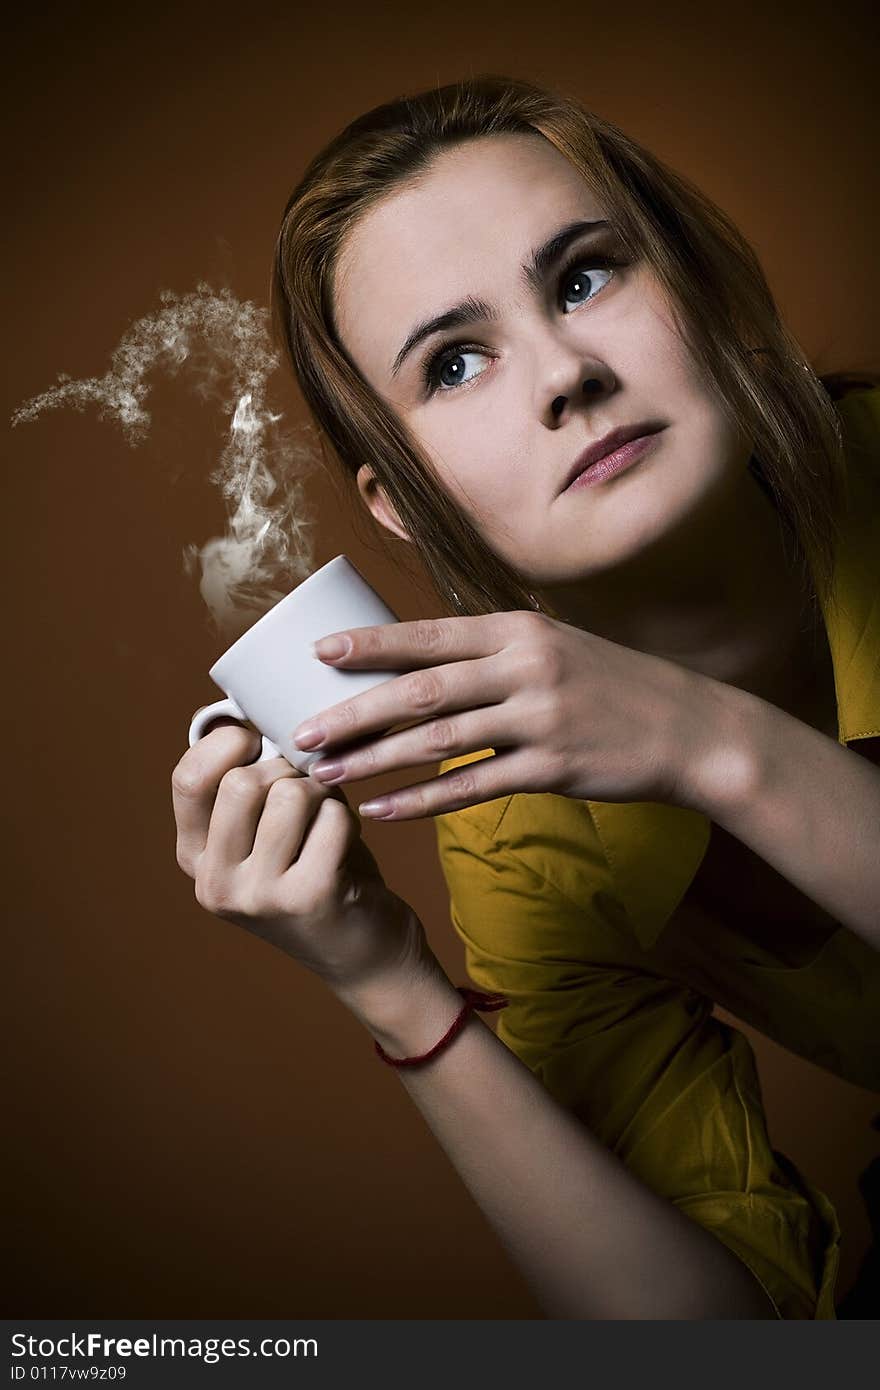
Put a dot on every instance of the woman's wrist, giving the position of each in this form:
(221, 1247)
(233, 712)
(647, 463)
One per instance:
(721, 749)
(406, 1012)
(404, 1003)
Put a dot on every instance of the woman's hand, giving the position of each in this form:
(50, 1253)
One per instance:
(274, 852)
(564, 710)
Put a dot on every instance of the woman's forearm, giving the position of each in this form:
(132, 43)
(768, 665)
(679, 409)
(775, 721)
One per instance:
(803, 802)
(590, 1239)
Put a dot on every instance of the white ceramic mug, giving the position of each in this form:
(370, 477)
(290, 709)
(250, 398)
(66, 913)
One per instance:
(271, 676)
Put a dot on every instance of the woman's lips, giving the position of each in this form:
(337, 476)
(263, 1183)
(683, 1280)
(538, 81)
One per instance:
(614, 463)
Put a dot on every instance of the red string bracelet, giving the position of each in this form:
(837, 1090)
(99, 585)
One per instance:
(473, 999)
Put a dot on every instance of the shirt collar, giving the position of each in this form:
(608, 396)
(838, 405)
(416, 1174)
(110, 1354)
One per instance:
(852, 612)
(654, 850)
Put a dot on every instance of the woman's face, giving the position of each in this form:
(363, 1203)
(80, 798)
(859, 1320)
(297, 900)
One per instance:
(547, 364)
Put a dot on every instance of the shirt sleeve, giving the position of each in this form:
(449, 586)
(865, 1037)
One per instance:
(639, 1058)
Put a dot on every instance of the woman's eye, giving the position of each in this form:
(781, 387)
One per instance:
(455, 367)
(578, 285)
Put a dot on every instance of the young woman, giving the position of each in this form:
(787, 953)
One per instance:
(552, 365)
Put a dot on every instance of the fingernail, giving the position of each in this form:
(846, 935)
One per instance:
(326, 772)
(332, 648)
(309, 736)
(377, 809)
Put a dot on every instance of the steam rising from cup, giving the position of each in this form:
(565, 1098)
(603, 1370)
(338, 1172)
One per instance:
(265, 551)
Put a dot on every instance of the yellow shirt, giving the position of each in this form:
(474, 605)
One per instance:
(573, 909)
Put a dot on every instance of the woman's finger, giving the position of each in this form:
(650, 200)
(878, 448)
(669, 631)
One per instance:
(289, 812)
(194, 784)
(487, 779)
(425, 641)
(239, 805)
(432, 741)
(417, 695)
(326, 846)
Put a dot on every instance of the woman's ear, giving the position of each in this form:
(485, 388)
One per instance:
(375, 499)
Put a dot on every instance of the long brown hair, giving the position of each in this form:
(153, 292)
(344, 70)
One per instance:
(724, 311)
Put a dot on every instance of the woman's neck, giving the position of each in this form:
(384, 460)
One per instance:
(723, 597)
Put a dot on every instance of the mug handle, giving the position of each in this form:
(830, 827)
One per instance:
(227, 709)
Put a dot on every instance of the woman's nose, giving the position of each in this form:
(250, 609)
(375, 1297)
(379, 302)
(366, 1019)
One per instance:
(566, 374)
(592, 385)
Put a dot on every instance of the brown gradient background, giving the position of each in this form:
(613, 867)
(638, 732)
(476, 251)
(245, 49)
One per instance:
(197, 1128)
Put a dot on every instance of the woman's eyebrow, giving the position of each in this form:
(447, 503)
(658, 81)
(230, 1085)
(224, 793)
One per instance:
(472, 310)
